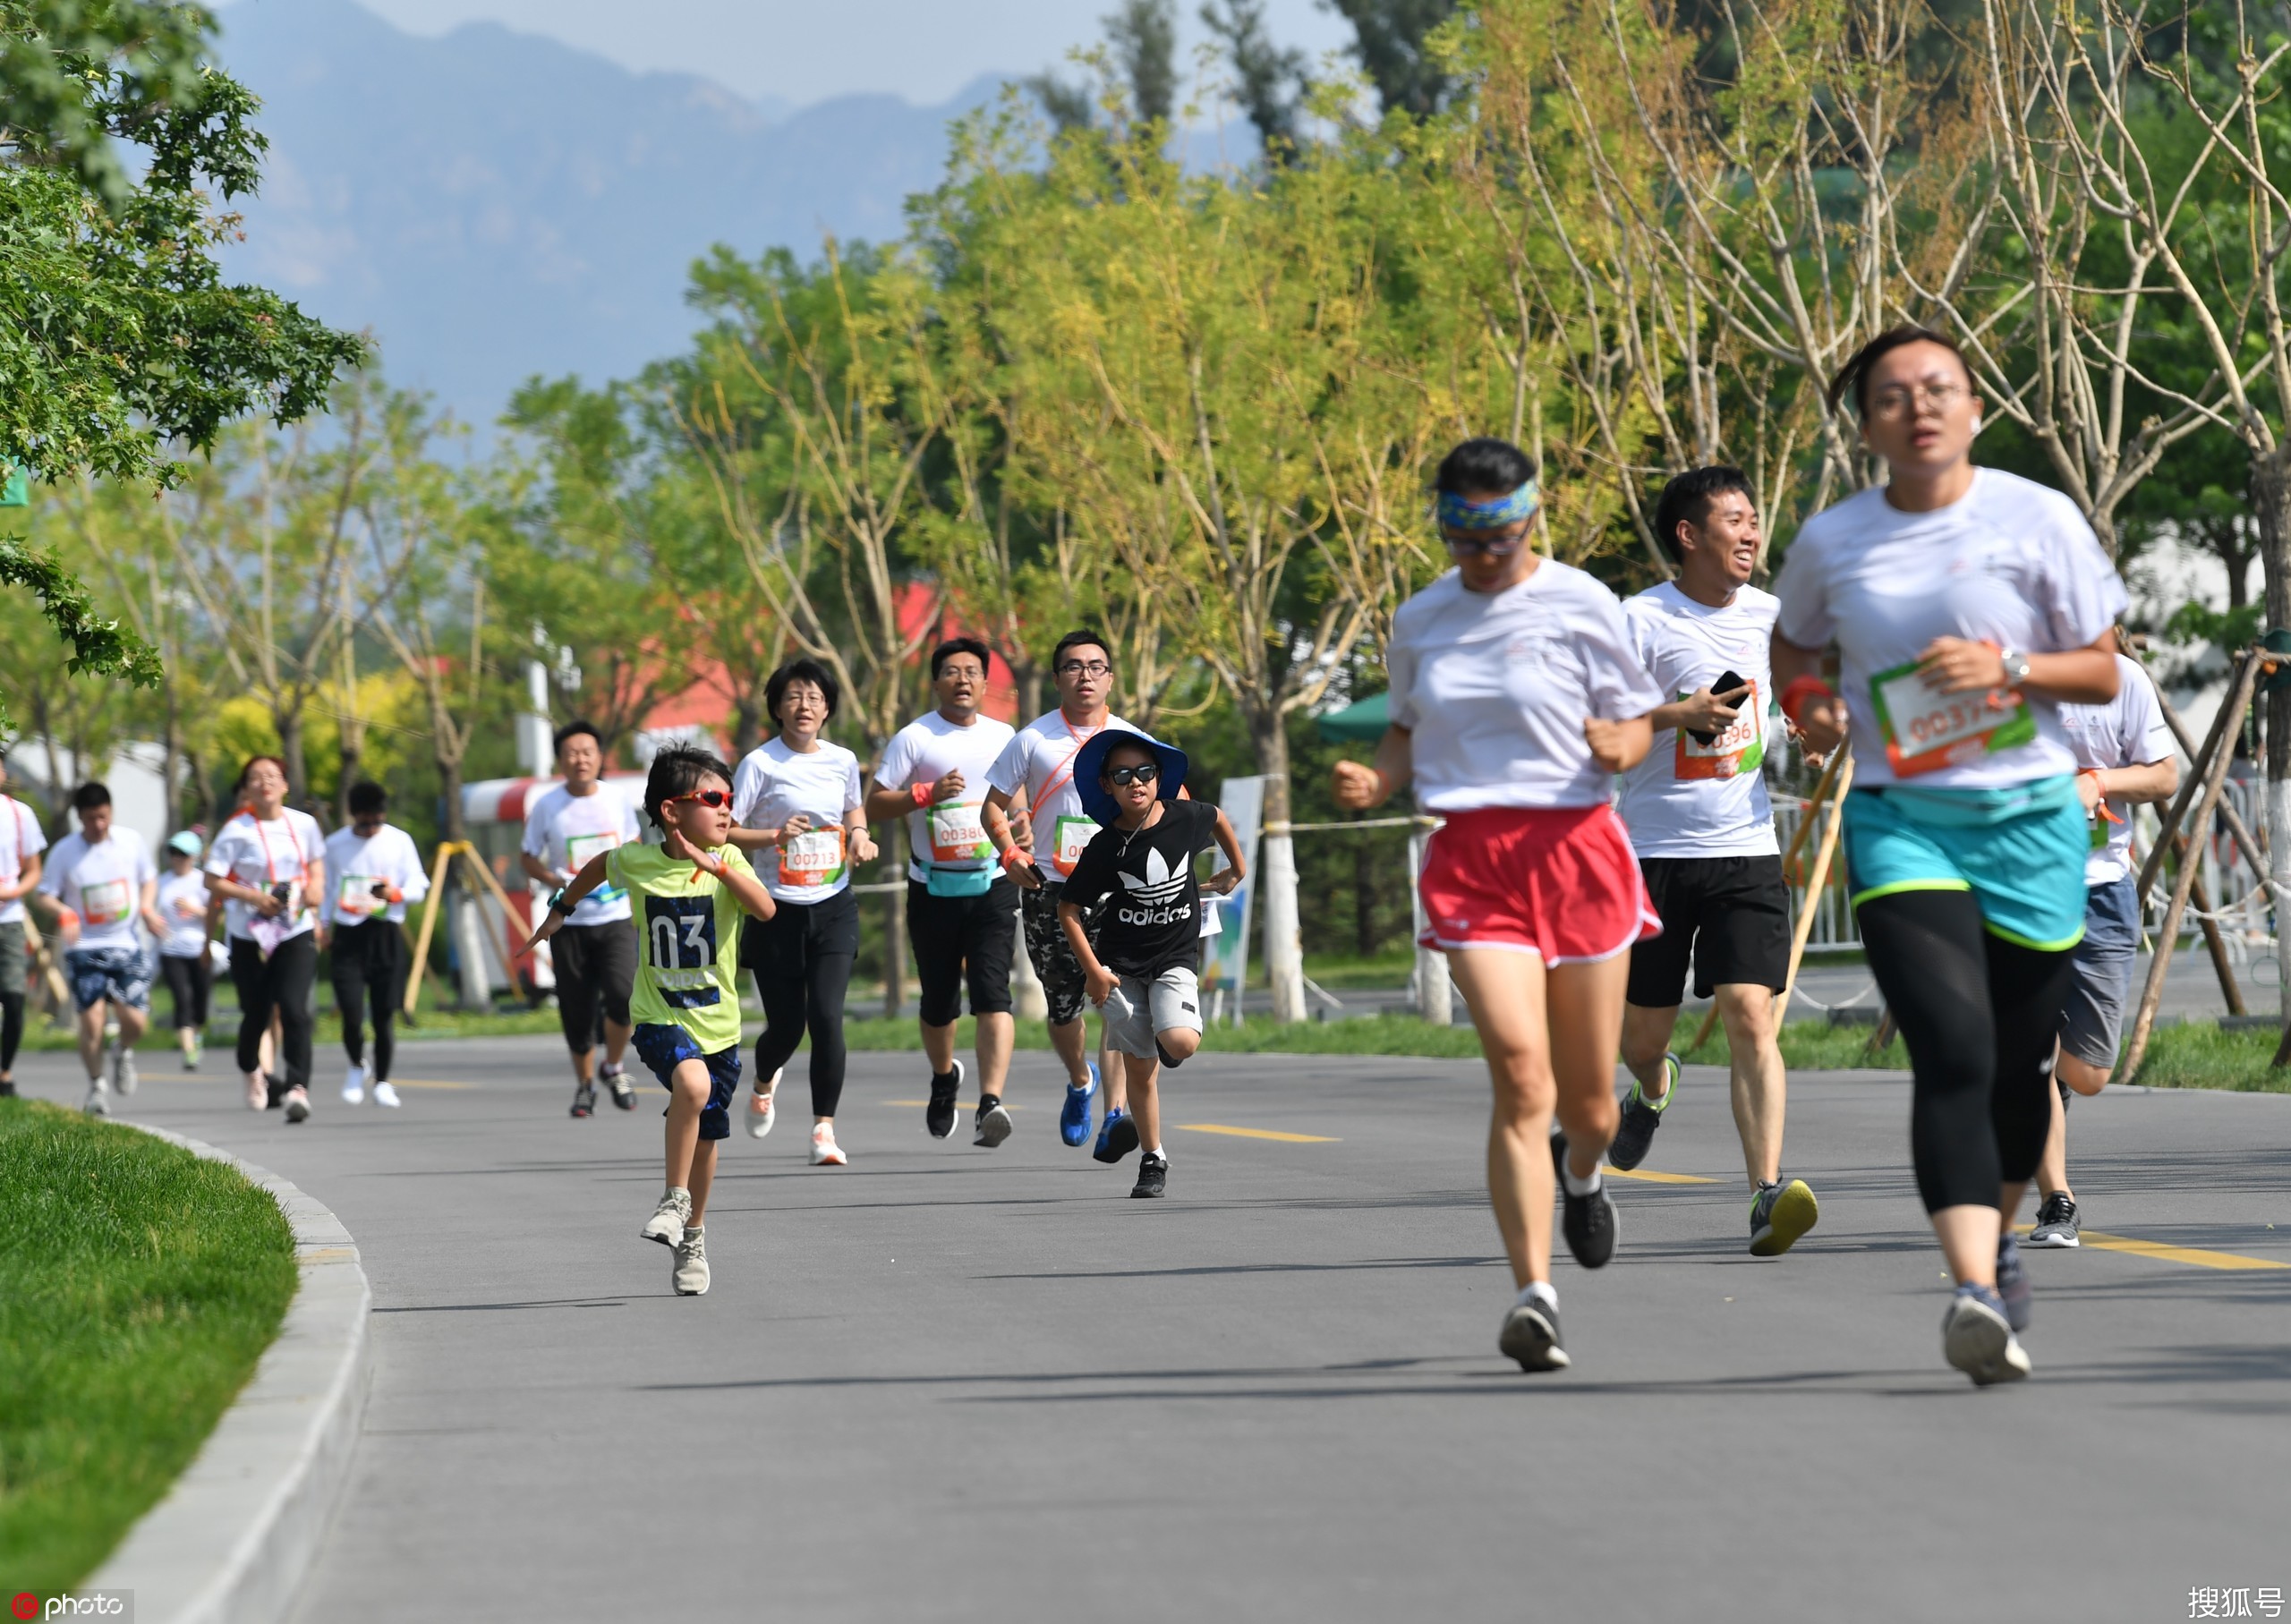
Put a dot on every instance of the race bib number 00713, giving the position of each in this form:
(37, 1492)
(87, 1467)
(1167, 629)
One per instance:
(1925, 729)
(813, 858)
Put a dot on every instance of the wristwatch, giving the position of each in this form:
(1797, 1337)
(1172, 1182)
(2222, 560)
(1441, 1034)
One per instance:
(2016, 667)
(557, 901)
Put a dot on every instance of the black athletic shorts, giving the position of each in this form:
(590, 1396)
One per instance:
(1732, 913)
(963, 937)
(596, 970)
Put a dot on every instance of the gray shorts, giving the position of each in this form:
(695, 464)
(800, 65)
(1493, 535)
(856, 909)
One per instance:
(2100, 984)
(1138, 1008)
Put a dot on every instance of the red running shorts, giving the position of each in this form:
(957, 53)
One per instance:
(1560, 881)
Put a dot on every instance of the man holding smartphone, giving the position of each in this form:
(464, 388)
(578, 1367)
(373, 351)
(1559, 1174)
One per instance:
(1700, 819)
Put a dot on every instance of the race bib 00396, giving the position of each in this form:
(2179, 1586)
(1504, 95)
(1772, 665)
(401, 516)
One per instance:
(1739, 748)
(1925, 729)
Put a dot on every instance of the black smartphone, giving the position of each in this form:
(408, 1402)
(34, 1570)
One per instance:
(1726, 682)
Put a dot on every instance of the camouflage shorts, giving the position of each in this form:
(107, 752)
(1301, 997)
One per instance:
(1052, 955)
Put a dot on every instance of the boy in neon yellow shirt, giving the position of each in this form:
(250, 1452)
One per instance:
(689, 894)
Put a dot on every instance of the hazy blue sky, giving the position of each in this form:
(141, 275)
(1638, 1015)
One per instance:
(806, 50)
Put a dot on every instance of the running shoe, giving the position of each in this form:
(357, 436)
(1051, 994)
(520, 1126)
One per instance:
(1116, 1138)
(691, 1270)
(584, 1099)
(1977, 1338)
(666, 1223)
(1530, 1335)
(616, 1078)
(825, 1152)
(122, 1070)
(275, 1087)
(1074, 1115)
(939, 1116)
(99, 1099)
(7, 1088)
(2013, 1283)
(1640, 1117)
(2055, 1223)
(298, 1105)
(1589, 1225)
(258, 1095)
(354, 1086)
(191, 1054)
(1779, 1215)
(992, 1125)
(1153, 1175)
(762, 1111)
(384, 1094)
(1559, 1156)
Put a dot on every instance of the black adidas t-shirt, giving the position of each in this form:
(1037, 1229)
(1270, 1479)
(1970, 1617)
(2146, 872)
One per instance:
(1152, 917)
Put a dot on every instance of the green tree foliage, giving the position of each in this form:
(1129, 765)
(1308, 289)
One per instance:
(1390, 38)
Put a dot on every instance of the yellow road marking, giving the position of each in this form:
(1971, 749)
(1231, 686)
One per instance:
(416, 1083)
(1655, 1178)
(1258, 1133)
(2195, 1255)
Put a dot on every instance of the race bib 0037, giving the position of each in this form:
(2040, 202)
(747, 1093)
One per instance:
(957, 836)
(1073, 834)
(1739, 748)
(1925, 729)
(814, 858)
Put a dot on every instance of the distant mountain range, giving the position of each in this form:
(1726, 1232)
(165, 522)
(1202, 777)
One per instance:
(494, 205)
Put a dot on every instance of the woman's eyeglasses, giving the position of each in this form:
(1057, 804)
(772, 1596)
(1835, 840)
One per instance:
(707, 797)
(1126, 776)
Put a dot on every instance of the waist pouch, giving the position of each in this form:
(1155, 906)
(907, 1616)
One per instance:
(957, 882)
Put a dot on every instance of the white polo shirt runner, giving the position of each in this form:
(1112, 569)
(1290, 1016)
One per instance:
(1690, 799)
(565, 831)
(2128, 731)
(947, 834)
(262, 854)
(1039, 758)
(102, 883)
(771, 785)
(355, 864)
(21, 837)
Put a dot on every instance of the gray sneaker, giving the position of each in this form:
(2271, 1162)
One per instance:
(691, 1273)
(1977, 1338)
(123, 1071)
(1530, 1335)
(2055, 1223)
(667, 1220)
(99, 1099)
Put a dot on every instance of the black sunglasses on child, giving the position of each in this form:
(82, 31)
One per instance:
(1143, 774)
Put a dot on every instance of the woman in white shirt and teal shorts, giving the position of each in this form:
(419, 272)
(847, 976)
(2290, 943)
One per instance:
(1966, 605)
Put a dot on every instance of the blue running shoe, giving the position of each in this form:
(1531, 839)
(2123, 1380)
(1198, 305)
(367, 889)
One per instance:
(1117, 1138)
(1074, 1117)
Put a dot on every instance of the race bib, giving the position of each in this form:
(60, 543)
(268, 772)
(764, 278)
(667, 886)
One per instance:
(957, 836)
(354, 895)
(106, 902)
(1073, 835)
(1925, 729)
(580, 848)
(815, 858)
(1739, 748)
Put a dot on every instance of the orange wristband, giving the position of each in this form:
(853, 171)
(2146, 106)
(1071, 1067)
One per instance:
(1012, 856)
(921, 793)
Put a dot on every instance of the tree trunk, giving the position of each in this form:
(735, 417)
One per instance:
(747, 726)
(2271, 503)
(1364, 897)
(290, 751)
(893, 867)
(1284, 950)
(171, 761)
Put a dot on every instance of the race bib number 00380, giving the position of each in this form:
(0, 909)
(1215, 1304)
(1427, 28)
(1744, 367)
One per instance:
(957, 836)
(1925, 729)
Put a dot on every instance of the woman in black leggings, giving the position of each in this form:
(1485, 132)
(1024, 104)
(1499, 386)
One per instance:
(801, 797)
(268, 866)
(1966, 604)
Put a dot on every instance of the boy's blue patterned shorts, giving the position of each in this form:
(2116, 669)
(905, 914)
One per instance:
(663, 1049)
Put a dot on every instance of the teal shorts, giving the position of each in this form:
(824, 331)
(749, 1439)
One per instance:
(2020, 851)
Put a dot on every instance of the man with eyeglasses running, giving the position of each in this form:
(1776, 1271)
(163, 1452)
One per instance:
(961, 909)
(1039, 848)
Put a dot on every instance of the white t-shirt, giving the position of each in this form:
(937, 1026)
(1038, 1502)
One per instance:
(103, 884)
(2128, 731)
(565, 831)
(1039, 758)
(184, 901)
(1688, 799)
(1495, 687)
(925, 751)
(770, 786)
(264, 855)
(2011, 562)
(21, 837)
(354, 866)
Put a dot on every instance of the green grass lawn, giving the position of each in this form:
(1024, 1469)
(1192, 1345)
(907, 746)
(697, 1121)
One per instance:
(139, 1286)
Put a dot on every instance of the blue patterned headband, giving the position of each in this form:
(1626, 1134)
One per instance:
(1456, 514)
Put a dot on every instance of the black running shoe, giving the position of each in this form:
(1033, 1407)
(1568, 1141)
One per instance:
(2055, 1223)
(1640, 1117)
(7, 1089)
(939, 1116)
(584, 1099)
(1118, 1139)
(1530, 1335)
(1589, 1225)
(1152, 1173)
(623, 1092)
(992, 1125)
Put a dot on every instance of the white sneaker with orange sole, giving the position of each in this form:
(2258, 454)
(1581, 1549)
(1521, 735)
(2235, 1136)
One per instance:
(761, 1112)
(825, 1152)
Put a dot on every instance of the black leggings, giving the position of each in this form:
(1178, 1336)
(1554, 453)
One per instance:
(366, 959)
(11, 1026)
(1978, 1014)
(190, 979)
(802, 958)
(281, 982)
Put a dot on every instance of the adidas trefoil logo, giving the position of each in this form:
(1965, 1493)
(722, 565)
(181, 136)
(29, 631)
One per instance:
(1159, 886)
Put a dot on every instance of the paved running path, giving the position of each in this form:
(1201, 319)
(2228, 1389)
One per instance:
(950, 1384)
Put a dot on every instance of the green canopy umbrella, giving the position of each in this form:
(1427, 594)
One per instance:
(1361, 722)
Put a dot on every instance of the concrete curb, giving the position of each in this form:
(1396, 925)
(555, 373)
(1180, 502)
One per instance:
(233, 1539)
